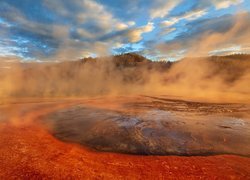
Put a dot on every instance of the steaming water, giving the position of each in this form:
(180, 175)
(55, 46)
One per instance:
(142, 129)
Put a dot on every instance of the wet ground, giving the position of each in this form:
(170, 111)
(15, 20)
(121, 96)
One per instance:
(154, 126)
(29, 151)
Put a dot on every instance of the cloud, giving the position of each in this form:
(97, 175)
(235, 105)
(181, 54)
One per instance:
(217, 4)
(200, 9)
(135, 35)
(131, 23)
(131, 35)
(123, 26)
(73, 29)
(188, 16)
(204, 36)
(71, 35)
(166, 31)
(72, 50)
(87, 13)
(17, 20)
(26, 37)
(195, 14)
(222, 4)
(161, 8)
(167, 26)
(169, 22)
(226, 50)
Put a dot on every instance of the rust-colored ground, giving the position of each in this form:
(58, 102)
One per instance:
(28, 151)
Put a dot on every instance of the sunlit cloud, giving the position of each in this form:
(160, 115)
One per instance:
(222, 4)
(68, 30)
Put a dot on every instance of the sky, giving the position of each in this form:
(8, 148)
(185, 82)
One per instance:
(60, 30)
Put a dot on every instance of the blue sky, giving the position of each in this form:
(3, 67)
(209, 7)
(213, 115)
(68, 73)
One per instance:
(48, 30)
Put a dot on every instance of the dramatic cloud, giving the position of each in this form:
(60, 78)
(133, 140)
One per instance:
(67, 30)
(207, 35)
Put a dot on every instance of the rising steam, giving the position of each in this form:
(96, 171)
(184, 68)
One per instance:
(207, 78)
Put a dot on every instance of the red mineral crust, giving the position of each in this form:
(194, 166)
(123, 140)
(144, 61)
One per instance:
(28, 151)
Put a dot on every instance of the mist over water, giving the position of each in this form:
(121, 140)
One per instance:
(215, 79)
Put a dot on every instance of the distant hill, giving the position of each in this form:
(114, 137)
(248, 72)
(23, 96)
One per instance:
(129, 60)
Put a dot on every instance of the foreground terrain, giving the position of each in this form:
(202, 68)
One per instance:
(30, 147)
